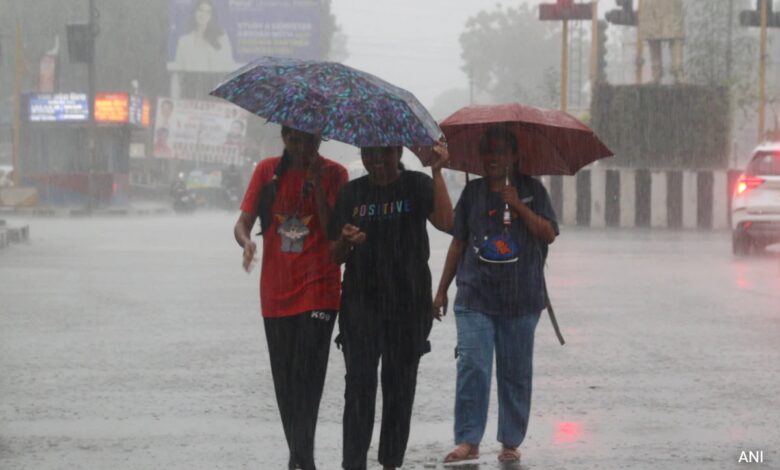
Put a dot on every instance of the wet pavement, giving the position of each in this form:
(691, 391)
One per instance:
(136, 342)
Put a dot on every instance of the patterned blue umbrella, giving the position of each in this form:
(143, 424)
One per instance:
(330, 100)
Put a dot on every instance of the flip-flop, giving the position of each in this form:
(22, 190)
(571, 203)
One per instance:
(462, 452)
(509, 455)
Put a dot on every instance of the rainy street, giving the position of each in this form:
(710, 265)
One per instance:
(136, 342)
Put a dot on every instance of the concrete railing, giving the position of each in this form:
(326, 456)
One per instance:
(600, 197)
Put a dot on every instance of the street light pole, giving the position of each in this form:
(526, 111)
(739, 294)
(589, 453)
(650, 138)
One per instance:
(565, 11)
(762, 74)
(594, 47)
(565, 66)
(640, 60)
(18, 74)
(92, 132)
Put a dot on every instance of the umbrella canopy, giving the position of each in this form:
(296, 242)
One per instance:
(549, 142)
(331, 100)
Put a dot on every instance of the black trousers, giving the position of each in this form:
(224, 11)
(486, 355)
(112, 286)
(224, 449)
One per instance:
(298, 347)
(366, 339)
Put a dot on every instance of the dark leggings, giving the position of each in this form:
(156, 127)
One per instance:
(299, 347)
(399, 344)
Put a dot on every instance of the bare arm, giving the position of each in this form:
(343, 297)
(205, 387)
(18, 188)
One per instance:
(454, 254)
(539, 227)
(242, 231)
(442, 216)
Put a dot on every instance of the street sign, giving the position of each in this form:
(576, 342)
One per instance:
(565, 10)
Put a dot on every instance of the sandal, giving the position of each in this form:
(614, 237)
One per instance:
(462, 452)
(509, 455)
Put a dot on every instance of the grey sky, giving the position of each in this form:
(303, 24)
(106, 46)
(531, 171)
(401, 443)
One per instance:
(411, 43)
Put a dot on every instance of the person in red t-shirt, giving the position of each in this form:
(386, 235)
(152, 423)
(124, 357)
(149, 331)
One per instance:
(300, 284)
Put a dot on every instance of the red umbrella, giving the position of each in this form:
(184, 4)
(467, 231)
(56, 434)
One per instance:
(549, 142)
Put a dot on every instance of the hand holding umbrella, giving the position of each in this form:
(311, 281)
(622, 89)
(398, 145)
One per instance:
(507, 195)
(441, 156)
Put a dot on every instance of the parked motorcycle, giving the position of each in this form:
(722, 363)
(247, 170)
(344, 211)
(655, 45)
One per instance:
(184, 200)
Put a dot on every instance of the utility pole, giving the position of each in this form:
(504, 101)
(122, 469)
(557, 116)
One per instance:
(565, 67)
(565, 11)
(594, 47)
(92, 137)
(640, 49)
(730, 42)
(764, 18)
(18, 76)
(762, 74)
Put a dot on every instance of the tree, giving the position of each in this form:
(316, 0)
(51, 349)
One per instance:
(511, 55)
(334, 41)
(712, 59)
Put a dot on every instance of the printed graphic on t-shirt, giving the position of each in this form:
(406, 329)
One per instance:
(293, 231)
(382, 211)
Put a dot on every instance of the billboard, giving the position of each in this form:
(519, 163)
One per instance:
(112, 108)
(221, 35)
(139, 111)
(204, 131)
(59, 107)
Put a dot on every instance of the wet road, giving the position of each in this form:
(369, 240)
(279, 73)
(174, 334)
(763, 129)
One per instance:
(134, 343)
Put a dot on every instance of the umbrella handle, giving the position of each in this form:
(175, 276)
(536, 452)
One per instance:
(507, 214)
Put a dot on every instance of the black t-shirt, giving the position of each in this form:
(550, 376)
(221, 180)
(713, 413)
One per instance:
(387, 275)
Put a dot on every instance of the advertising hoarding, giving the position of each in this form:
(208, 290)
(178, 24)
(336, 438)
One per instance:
(58, 107)
(112, 108)
(222, 35)
(204, 131)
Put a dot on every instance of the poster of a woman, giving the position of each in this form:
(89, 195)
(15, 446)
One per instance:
(205, 47)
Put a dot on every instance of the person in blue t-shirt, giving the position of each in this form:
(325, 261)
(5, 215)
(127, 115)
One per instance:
(503, 226)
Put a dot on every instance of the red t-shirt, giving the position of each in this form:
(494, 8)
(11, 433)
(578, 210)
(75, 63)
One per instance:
(297, 273)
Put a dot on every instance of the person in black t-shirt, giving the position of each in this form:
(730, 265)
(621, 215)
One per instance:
(378, 229)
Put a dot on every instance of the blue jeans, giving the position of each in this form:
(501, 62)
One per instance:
(512, 337)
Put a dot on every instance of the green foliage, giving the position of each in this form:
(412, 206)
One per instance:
(512, 55)
(711, 59)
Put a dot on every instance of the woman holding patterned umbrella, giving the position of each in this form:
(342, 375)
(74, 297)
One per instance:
(299, 283)
(378, 230)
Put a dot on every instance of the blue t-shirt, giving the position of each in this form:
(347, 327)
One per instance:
(509, 288)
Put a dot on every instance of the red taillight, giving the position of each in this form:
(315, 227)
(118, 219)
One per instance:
(746, 182)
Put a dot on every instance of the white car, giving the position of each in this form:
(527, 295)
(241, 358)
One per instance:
(755, 206)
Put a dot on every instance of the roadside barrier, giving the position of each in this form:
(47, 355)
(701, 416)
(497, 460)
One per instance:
(679, 199)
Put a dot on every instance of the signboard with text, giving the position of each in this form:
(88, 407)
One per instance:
(221, 35)
(204, 131)
(112, 108)
(58, 107)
